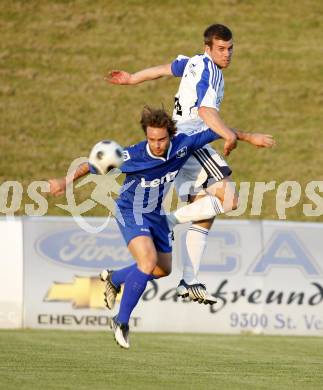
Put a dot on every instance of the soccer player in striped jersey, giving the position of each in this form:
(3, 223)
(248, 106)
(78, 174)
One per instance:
(197, 105)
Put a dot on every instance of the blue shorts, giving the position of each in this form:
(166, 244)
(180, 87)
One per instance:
(152, 224)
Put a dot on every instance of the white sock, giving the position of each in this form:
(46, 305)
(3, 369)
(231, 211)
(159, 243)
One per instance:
(205, 208)
(196, 244)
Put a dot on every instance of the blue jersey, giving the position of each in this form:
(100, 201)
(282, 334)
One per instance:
(148, 177)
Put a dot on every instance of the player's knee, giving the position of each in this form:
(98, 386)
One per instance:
(147, 266)
(166, 270)
(229, 206)
(235, 202)
(230, 201)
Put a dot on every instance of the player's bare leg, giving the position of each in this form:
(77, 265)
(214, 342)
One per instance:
(112, 287)
(143, 250)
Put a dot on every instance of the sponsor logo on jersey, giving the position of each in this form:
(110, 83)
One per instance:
(192, 70)
(170, 176)
(181, 152)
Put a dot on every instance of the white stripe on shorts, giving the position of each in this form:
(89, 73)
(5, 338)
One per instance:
(206, 161)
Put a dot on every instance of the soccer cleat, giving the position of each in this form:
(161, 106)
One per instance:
(194, 291)
(121, 333)
(197, 292)
(209, 299)
(111, 291)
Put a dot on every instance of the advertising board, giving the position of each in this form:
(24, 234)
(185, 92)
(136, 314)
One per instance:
(11, 273)
(267, 277)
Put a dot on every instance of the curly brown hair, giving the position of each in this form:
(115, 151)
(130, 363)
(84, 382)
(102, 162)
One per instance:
(157, 117)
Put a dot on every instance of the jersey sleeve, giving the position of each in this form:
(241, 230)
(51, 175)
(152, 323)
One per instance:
(207, 89)
(178, 65)
(197, 139)
(128, 152)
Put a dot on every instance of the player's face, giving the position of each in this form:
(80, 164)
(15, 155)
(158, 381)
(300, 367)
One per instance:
(221, 52)
(158, 140)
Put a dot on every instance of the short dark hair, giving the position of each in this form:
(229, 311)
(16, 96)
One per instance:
(157, 117)
(216, 31)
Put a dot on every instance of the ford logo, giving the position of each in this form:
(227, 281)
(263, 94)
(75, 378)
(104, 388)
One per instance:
(77, 248)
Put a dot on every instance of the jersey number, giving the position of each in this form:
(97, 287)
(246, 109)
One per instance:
(178, 107)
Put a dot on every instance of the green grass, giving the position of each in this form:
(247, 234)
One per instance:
(54, 104)
(92, 360)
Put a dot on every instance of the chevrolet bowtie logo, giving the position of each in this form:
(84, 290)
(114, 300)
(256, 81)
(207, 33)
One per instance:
(83, 292)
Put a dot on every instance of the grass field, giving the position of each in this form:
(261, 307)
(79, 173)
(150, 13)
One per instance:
(91, 360)
(55, 105)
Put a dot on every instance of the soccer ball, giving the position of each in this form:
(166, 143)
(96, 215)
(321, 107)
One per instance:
(106, 155)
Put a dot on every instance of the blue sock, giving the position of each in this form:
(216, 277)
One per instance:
(134, 287)
(118, 277)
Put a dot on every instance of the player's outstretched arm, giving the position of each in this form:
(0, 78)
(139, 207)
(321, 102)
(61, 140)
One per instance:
(121, 77)
(257, 139)
(58, 186)
(212, 119)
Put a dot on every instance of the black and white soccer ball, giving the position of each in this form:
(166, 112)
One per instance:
(106, 155)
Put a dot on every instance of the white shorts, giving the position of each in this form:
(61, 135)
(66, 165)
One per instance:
(205, 165)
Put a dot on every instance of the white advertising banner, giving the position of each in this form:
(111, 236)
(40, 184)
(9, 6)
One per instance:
(62, 263)
(11, 261)
(291, 266)
(267, 277)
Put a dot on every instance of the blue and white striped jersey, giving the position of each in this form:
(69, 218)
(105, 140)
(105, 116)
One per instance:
(202, 84)
(148, 177)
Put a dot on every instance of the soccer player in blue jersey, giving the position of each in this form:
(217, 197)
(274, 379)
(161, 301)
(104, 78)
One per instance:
(150, 167)
(197, 105)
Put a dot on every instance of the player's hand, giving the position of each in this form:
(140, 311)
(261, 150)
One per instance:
(118, 77)
(229, 145)
(57, 187)
(262, 140)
